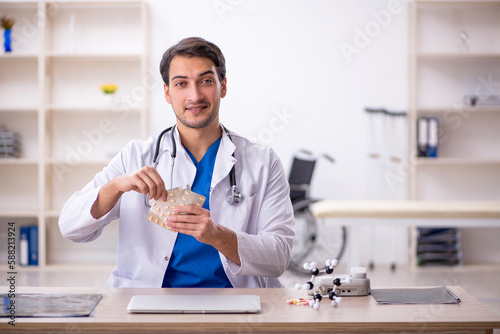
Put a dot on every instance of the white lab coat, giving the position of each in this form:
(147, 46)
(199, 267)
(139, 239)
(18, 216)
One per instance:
(263, 221)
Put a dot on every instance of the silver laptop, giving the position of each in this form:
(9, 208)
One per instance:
(194, 304)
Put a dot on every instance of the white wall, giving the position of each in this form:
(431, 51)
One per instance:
(285, 59)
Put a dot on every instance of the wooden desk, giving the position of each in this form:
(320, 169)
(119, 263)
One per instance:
(353, 315)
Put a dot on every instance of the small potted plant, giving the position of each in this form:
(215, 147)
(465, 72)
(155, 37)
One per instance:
(109, 90)
(7, 24)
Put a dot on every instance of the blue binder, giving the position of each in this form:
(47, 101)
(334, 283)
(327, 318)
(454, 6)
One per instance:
(433, 137)
(33, 246)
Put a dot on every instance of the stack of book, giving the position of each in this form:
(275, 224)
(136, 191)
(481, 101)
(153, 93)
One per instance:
(439, 246)
(9, 144)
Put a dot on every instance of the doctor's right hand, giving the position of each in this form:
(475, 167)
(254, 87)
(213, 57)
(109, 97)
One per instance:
(146, 181)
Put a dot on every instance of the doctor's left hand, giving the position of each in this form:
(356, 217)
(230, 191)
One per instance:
(194, 221)
(198, 222)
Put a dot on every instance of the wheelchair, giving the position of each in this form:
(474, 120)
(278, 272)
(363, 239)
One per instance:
(313, 239)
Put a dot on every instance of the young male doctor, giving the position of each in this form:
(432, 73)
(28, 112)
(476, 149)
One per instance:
(222, 244)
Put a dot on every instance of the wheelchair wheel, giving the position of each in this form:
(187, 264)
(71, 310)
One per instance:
(314, 240)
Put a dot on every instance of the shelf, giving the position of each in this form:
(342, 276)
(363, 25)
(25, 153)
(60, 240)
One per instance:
(95, 30)
(50, 95)
(19, 3)
(458, 161)
(62, 252)
(459, 109)
(454, 51)
(63, 268)
(90, 136)
(69, 176)
(457, 2)
(89, 109)
(25, 32)
(18, 109)
(91, 74)
(18, 161)
(84, 162)
(457, 30)
(444, 83)
(95, 56)
(19, 188)
(455, 56)
(26, 125)
(19, 213)
(17, 82)
(14, 55)
(92, 3)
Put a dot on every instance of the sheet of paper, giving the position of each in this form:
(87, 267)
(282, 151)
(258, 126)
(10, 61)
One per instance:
(433, 295)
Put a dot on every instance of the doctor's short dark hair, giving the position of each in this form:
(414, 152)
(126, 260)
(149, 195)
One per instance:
(193, 47)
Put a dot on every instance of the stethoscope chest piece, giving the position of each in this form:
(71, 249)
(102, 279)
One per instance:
(233, 195)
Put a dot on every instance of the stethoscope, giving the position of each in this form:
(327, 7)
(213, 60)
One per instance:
(232, 196)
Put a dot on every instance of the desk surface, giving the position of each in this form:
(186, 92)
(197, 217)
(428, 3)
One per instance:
(354, 314)
(405, 209)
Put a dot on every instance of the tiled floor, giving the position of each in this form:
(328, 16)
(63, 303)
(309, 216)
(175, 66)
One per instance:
(482, 281)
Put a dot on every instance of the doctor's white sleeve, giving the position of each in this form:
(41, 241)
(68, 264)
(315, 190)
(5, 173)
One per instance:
(75, 222)
(268, 252)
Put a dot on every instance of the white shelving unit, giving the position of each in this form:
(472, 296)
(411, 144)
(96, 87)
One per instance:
(442, 70)
(50, 94)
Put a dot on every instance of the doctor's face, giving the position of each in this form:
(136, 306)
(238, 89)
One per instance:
(194, 91)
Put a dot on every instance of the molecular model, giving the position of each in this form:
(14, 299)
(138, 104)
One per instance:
(319, 291)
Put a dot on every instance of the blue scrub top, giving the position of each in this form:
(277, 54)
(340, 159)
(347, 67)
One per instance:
(193, 263)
